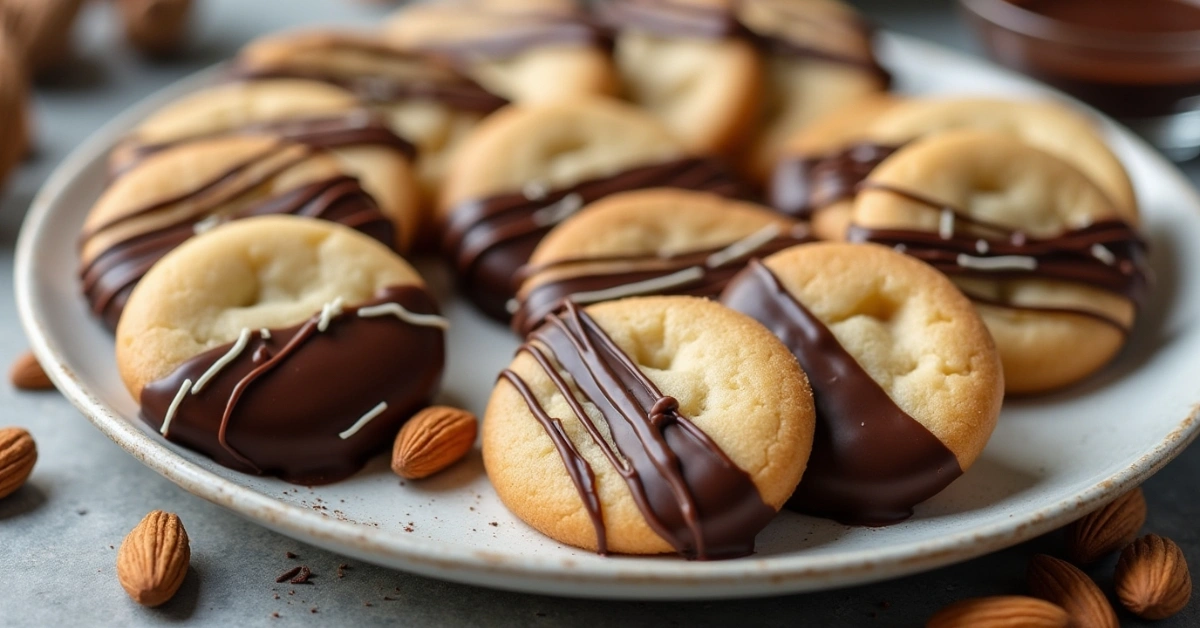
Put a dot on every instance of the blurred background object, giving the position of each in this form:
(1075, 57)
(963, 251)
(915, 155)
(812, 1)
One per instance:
(156, 28)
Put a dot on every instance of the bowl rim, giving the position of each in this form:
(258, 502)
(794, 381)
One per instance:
(1020, 20)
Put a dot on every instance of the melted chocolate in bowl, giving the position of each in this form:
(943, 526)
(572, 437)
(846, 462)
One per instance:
(1138, 61)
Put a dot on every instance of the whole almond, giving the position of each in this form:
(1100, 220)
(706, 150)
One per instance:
(432, 440)
(1001, 611)
(1107, 530)
(14, 104)
(153, 559)
(156, 27)
(41, 29)
(27, 374)
(18, 454)
(1064, 584)
(1152, 578)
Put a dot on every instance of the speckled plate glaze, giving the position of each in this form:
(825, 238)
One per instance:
(1051, 460)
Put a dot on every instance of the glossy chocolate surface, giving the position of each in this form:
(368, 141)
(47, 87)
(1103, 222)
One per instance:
(871, 462)
(803, 185)
(288, 404)
(690, 493)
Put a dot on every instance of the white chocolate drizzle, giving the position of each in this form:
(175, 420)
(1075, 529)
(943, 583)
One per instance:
(187, 383)
(982, 246)
(206, 224)
(534, 191)
(264, 333)
(328, 311)
(234, 351)
(946, 225)
(665, 282)
(363, 420)
(1000, 262)
(1100, 252)
(399, 311)
(743, 247)
(559, 211)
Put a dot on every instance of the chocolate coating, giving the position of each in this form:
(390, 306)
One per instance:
(688, 490)
(280, 406)
(802, 185)
(489, 239)
(534, 30)
(871, 462)
(671, 19)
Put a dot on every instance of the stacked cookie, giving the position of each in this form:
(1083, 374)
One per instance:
(638, 191)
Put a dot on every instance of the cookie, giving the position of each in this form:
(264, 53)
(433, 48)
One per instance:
(688, 63)
(178, 192)
(685, 428)
(1054, 267)
(283, 346)
(528, 51)
(647, 242)
(424, 100)
(529, 167)
(308, 112)
(817, 176)
(906, 380)
(819, 58)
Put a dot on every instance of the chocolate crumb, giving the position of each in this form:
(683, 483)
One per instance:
(303, 576)
(408, 528)
(291, 592)
(110, 547)
(366, 603)
(289, 555)
(81, 512)
(341, 570)
(312, 610)
(277, 596)
(287, 575)
(388, 599)
(494, 524)
(275, 615)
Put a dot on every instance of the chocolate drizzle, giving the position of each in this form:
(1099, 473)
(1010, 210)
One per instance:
(803, 185)
(528, 30)
(871, 462)
(690, 493)
(489, 239)
(1108, 254)
(307, 405)
(666, 18)
(702, 273)
(109, 277)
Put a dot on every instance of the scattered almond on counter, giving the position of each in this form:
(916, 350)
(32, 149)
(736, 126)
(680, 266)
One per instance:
(18, 454)
(432, 440)
(155, 27)
(41, 30)
(153, 559)
(1064, 584)
(1152, 578)
(27, 374)
(1107, 530)
(1001, 611)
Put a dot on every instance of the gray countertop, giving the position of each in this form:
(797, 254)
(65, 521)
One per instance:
(58, 533)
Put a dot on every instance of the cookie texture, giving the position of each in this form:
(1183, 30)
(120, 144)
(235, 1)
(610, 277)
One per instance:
(309, 112)
(732, 379)
(176, 193)
(1053, 265)
(527, 51)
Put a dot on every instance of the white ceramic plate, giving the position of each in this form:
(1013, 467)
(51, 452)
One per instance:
(1051, 460)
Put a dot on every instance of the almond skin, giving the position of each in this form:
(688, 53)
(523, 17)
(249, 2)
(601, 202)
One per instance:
(1107, 530)
(27, 374)
(1001, 611)
(153, 559)
(18, 454)
(1152, 578)
(1064, 584)
(432, 440)
(157, 28)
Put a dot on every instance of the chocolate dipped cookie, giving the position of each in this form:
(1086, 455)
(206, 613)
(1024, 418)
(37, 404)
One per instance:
(819, 58)
(647, 242)
(690, 64)
(425, 100)
(529, 167)
(649, 425)
(906, 380)
(527, 51)
(1055, 268)
(282, 346)
(307, 112)
(176, 193)
(819, 172)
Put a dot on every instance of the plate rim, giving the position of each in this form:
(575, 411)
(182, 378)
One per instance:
(630, 578)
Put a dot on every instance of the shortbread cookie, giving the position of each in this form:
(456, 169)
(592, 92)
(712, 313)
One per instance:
(906, 380)
(649, 425)
(426, 102)
(819, 59)
(308, 112)
(282, 346)
(1054, 267)
(176, 193)
(648, 242)
(528, 168)
(818, 175)
(689, 63)
(527, 51)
